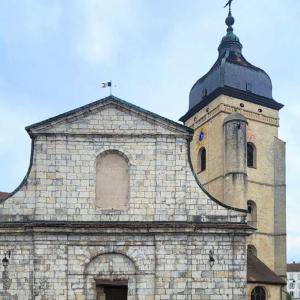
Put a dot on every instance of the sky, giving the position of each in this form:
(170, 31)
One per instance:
(55, 53)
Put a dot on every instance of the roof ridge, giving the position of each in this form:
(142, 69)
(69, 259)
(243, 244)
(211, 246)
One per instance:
(103, 100)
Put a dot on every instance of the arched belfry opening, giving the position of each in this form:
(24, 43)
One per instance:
(252, 213)
(251, 155)
(201, 162)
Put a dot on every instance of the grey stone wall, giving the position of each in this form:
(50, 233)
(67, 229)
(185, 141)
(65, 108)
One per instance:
(62, 243)
(62, 183)
(157, 266)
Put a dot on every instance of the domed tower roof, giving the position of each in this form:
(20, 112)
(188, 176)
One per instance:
(231, 75)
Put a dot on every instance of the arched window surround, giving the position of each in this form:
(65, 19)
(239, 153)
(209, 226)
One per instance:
(201, 160)
(259, 293)
(251, 155)
(112, 180)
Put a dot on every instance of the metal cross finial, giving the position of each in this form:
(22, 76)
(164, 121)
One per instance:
(228, 4)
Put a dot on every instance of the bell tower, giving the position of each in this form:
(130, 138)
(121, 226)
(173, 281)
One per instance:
(236, 152)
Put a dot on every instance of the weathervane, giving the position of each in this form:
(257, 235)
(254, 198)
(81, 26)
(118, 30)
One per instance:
(229, 4)
(230, 19)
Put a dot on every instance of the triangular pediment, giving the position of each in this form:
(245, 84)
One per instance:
(108, 116)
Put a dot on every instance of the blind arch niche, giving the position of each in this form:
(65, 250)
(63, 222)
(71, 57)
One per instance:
(112, 180)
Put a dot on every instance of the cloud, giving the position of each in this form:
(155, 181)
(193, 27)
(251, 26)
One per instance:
(105, 24)
(14, 141)
(290, 132)
(47, 17)
(293, 245)
(30, 20)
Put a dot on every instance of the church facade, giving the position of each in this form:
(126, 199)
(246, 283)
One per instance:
(120, 203)
(111, 206)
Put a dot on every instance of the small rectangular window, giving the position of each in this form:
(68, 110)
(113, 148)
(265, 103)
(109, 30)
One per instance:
(292, 285)
(251, 155)
(249, 86)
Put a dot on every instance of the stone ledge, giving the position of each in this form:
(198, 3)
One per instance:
(121, 227)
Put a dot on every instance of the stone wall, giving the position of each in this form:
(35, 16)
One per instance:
(63, 242)
(61, 184)
(173, 265)
(266, 183)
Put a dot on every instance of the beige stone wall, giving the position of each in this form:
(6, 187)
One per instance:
(263, 188)
(213, 135)
(265, 248)
(261, 130)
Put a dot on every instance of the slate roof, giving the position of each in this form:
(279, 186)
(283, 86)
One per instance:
(294, 267)
(232, 75)
(258, 272)
(109, 99)
(231, 92)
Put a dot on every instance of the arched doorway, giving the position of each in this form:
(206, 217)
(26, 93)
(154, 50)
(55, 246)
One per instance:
(110, 276)
(112, 290)
(258, 293)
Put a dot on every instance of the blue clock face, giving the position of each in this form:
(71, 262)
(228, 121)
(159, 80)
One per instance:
(201, 136)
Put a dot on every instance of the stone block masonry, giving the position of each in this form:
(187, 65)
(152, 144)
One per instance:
(65, 245)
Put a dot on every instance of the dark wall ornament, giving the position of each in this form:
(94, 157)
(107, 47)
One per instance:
(6, 281)
(41, 287)
(211, 258)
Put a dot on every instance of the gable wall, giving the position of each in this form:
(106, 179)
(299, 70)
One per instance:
(62, 260)
(61, 184)
(108, 118)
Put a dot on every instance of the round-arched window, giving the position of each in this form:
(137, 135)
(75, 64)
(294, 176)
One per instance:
(258, 293)
(201, 159)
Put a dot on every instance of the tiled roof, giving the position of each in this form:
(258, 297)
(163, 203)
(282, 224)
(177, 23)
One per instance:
(294, 267)
(258, 272)
(3, 195)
